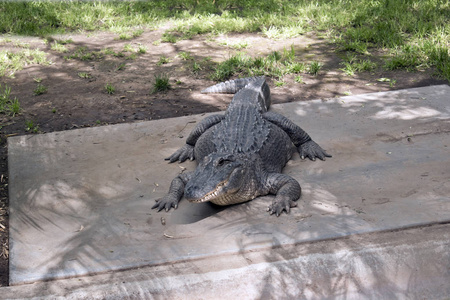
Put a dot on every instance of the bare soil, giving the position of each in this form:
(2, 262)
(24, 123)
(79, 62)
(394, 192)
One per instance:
(74, 102)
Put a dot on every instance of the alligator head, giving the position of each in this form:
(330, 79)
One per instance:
(222, 179)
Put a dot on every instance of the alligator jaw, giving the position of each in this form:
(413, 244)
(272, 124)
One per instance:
(211, 195)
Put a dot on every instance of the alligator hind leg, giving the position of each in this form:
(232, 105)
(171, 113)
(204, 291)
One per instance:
(287, 191)
(187, 151)
(305, 145)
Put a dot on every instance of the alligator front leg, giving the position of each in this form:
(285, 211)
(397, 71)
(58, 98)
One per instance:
(187, 151)
(176, 191)
(305, 145)
(287, 191)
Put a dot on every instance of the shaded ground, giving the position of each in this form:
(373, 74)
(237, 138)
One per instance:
(72, 101)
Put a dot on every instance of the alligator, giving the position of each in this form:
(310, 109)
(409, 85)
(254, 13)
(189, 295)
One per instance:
(241, 153)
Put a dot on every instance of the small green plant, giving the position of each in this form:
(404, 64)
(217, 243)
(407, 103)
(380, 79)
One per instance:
(119, 54)
(98, 122)
(168, 38)
(163, 60)
(161, 83)
(138, 33)
(84, 75)
(37, 79)
(54, 110)
(125, 36)
(234, 45)
(31, 127)
(40, 89)
(8, 105)
(110, 89)
(108, 51)
(142, 49)
(121, 67)
(280, 83)
(299, 79)
(196, 67)
(314, 67)
(58, 47)
(128, 48)
(185, 56)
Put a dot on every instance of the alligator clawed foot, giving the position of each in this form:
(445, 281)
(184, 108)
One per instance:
(185, 152)
(280, 205)
(312, 150)
(166, 203)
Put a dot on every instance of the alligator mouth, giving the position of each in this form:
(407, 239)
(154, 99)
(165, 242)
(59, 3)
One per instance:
(211, 195)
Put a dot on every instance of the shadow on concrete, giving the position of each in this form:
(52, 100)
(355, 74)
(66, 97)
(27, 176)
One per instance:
(94, 210)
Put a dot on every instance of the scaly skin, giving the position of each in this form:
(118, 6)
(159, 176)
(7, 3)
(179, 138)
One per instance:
(241, 154)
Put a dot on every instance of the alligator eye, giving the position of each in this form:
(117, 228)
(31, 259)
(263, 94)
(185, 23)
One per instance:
(222, 161)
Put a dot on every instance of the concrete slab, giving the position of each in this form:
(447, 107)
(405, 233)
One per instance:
(404, 264)
(80, 200)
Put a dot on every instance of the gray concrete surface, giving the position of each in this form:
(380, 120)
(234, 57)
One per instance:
(405, 264)
(80, 200)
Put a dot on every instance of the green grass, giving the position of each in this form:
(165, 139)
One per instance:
(360, 26)
(314, 67)
(352, 65)
(185, 55)
(110, 89)
(163, 60)
(84, 75)
(13, 61)
(161, 83)
(31, 127)
(8, 105)
(40, 89)
(58, 47)
(276, 64)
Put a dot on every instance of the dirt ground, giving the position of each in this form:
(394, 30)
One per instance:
(73, 102)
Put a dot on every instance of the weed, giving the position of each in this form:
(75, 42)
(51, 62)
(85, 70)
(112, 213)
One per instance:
(54, 110)
(168, 38)
(37, 79)
(196, 67)
(110, 89)
(161, 83)
(280, 83)
(142, 49)
(128, 48)
(163, 60)
(84, 75)
(185, 56)
(10, 62)
(40, 89)
(234, 45)
(31, 127)
(8, 105)
(132, 56)
(138, 33)
(299, 79)
(352, 65)
(121, 67)
(125, 36)
(58, 47)
(108, 51)
(314, 67)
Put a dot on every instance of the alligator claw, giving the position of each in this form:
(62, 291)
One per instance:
(165, 203)
(280, 205)
(185, 152)
(312, 150)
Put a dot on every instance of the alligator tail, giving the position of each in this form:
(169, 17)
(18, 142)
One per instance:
(230, 86)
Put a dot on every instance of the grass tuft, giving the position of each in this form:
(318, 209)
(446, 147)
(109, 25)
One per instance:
(161, 83)
(40, 89)
(7, 104)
